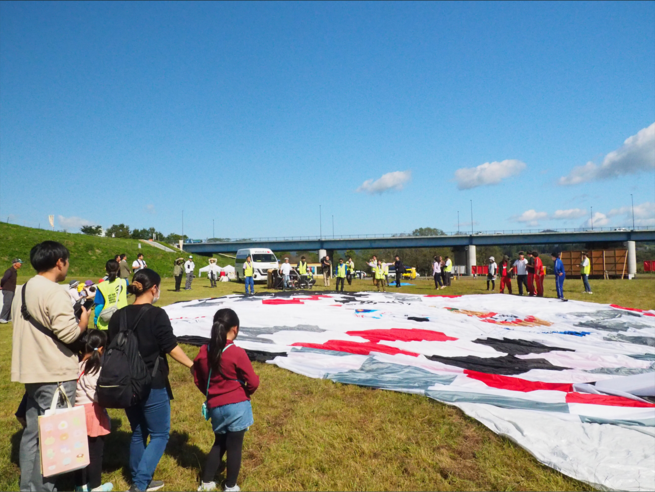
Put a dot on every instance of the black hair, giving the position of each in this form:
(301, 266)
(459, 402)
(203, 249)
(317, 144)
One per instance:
(142, 281)
(44, 256)
(123, 256)
(112, 267)
(139, 255)
(555, 254)
(302, 257)
(535, 254)
(224, 320)
(93, 340)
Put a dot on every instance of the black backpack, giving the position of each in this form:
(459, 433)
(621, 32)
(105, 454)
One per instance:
(124, 378)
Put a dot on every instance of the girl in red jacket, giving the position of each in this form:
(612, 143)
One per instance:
(223, 373)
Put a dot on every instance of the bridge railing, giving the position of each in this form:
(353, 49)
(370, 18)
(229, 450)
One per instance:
(327, 237)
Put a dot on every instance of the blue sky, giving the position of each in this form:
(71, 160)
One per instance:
(254, 114)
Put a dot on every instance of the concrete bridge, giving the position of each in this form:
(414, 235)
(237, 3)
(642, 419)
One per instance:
(464, 245)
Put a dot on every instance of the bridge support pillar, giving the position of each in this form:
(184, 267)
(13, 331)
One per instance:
(321, 253)
(632, 259)
(471, 251)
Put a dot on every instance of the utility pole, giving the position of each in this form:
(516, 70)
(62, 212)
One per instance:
(333, 227)
(633, 211)
(320, 218)
(591, 218)
(183, 223)
(213, 232)
(471, 217)
(458, 222)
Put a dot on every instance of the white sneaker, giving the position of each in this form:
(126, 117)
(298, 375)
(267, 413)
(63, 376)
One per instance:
(232, 489)
(589, 292)
(3, 321)
(207, 486)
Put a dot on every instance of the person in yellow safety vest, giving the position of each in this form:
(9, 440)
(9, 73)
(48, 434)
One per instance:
(378, 272)
(342, 268)
(351, 270)
(448, 269)
(385, 265)
(585, 269)
(248, 272)
(302, 270)
(111, 295)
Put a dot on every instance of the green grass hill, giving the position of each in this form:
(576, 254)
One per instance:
(88, 253)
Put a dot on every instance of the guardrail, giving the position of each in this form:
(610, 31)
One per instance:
(460, 233)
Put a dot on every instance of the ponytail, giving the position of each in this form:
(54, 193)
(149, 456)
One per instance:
(142, 281)
(112, 267)
(93, 341)
(224, 320)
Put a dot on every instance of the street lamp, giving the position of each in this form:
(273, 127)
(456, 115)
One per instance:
(633, 211)
(591, 218)
(458, 222)
(471, 217)
(320, 218)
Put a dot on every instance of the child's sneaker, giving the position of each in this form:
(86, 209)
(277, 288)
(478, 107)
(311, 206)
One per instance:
(207, 486)
(105, 487)
(232, 489)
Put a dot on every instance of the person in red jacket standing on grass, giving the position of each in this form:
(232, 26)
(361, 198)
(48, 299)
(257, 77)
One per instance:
(538, 274)
(505, 275)
(223, 372)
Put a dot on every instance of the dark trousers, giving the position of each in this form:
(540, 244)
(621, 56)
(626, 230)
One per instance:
(178, 282)
(447, 279)
(92, 474)
(399, 277)
(7, 298)
(340, 280)
(232, 443)
(349, 278)
(559, 286)
(437, 280)
(212, 280)
(522, 280)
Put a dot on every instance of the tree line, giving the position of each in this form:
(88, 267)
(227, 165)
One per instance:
(123, 231)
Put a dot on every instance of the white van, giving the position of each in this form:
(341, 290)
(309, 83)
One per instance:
(262, 261)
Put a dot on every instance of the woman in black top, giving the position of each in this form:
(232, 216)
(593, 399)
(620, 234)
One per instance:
(152, 417)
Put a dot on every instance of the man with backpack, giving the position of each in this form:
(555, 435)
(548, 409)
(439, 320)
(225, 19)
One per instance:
(42, 359)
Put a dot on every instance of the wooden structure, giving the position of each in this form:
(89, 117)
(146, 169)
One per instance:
(604, 263)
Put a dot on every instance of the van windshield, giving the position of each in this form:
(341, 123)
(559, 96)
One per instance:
(264, 258)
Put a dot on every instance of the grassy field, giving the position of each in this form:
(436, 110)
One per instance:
(317, 435)
(88, 253)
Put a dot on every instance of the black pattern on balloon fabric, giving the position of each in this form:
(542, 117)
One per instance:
(416, 318)
(637, 340)
(518, 347)
(261, 356)
(505, 366)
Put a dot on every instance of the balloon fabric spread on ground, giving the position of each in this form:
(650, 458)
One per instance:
(573, 383)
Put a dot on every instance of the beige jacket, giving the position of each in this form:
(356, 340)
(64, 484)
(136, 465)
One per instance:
(36, 357)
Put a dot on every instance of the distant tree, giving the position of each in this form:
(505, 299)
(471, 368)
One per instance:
(91, 230)
(428, 231)
(120, 230)
(150, 233)
(173, 238)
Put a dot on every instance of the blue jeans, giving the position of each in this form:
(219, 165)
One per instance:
(559, 285)
(585, 281)
(249, 281)
(150, 418)
(286, 279)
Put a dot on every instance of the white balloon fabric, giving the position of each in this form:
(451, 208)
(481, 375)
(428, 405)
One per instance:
(573, 383)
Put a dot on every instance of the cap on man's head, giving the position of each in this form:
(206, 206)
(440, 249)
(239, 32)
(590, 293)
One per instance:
(17, 260)
(190, 256)
(73, 283)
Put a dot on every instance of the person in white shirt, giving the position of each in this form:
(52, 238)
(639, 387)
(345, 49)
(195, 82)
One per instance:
(521, 269)
(491, 276)
(139, 263)
(436, 273)
(214, 272)
(189, 266)
(285, 271)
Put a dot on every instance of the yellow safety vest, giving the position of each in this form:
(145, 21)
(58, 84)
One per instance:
(386, 269)
(109, 291)
(302, 268)
(351, 266)
(247, 269)
(341, 270)
(586, 269)
(379, 272)
(448, 267)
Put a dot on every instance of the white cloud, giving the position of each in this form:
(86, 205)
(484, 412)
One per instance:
(150, 208)
(637, 154)
(69, 223)
(644, 214)
(530, 217)
(599, 220)
(489, 173)
(572, 213)
(390, 181)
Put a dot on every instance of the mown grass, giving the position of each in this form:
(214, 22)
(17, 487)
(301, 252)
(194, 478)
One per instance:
(317, 435)
(88, 253)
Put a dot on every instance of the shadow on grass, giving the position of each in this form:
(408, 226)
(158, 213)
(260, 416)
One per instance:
(187, 455)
